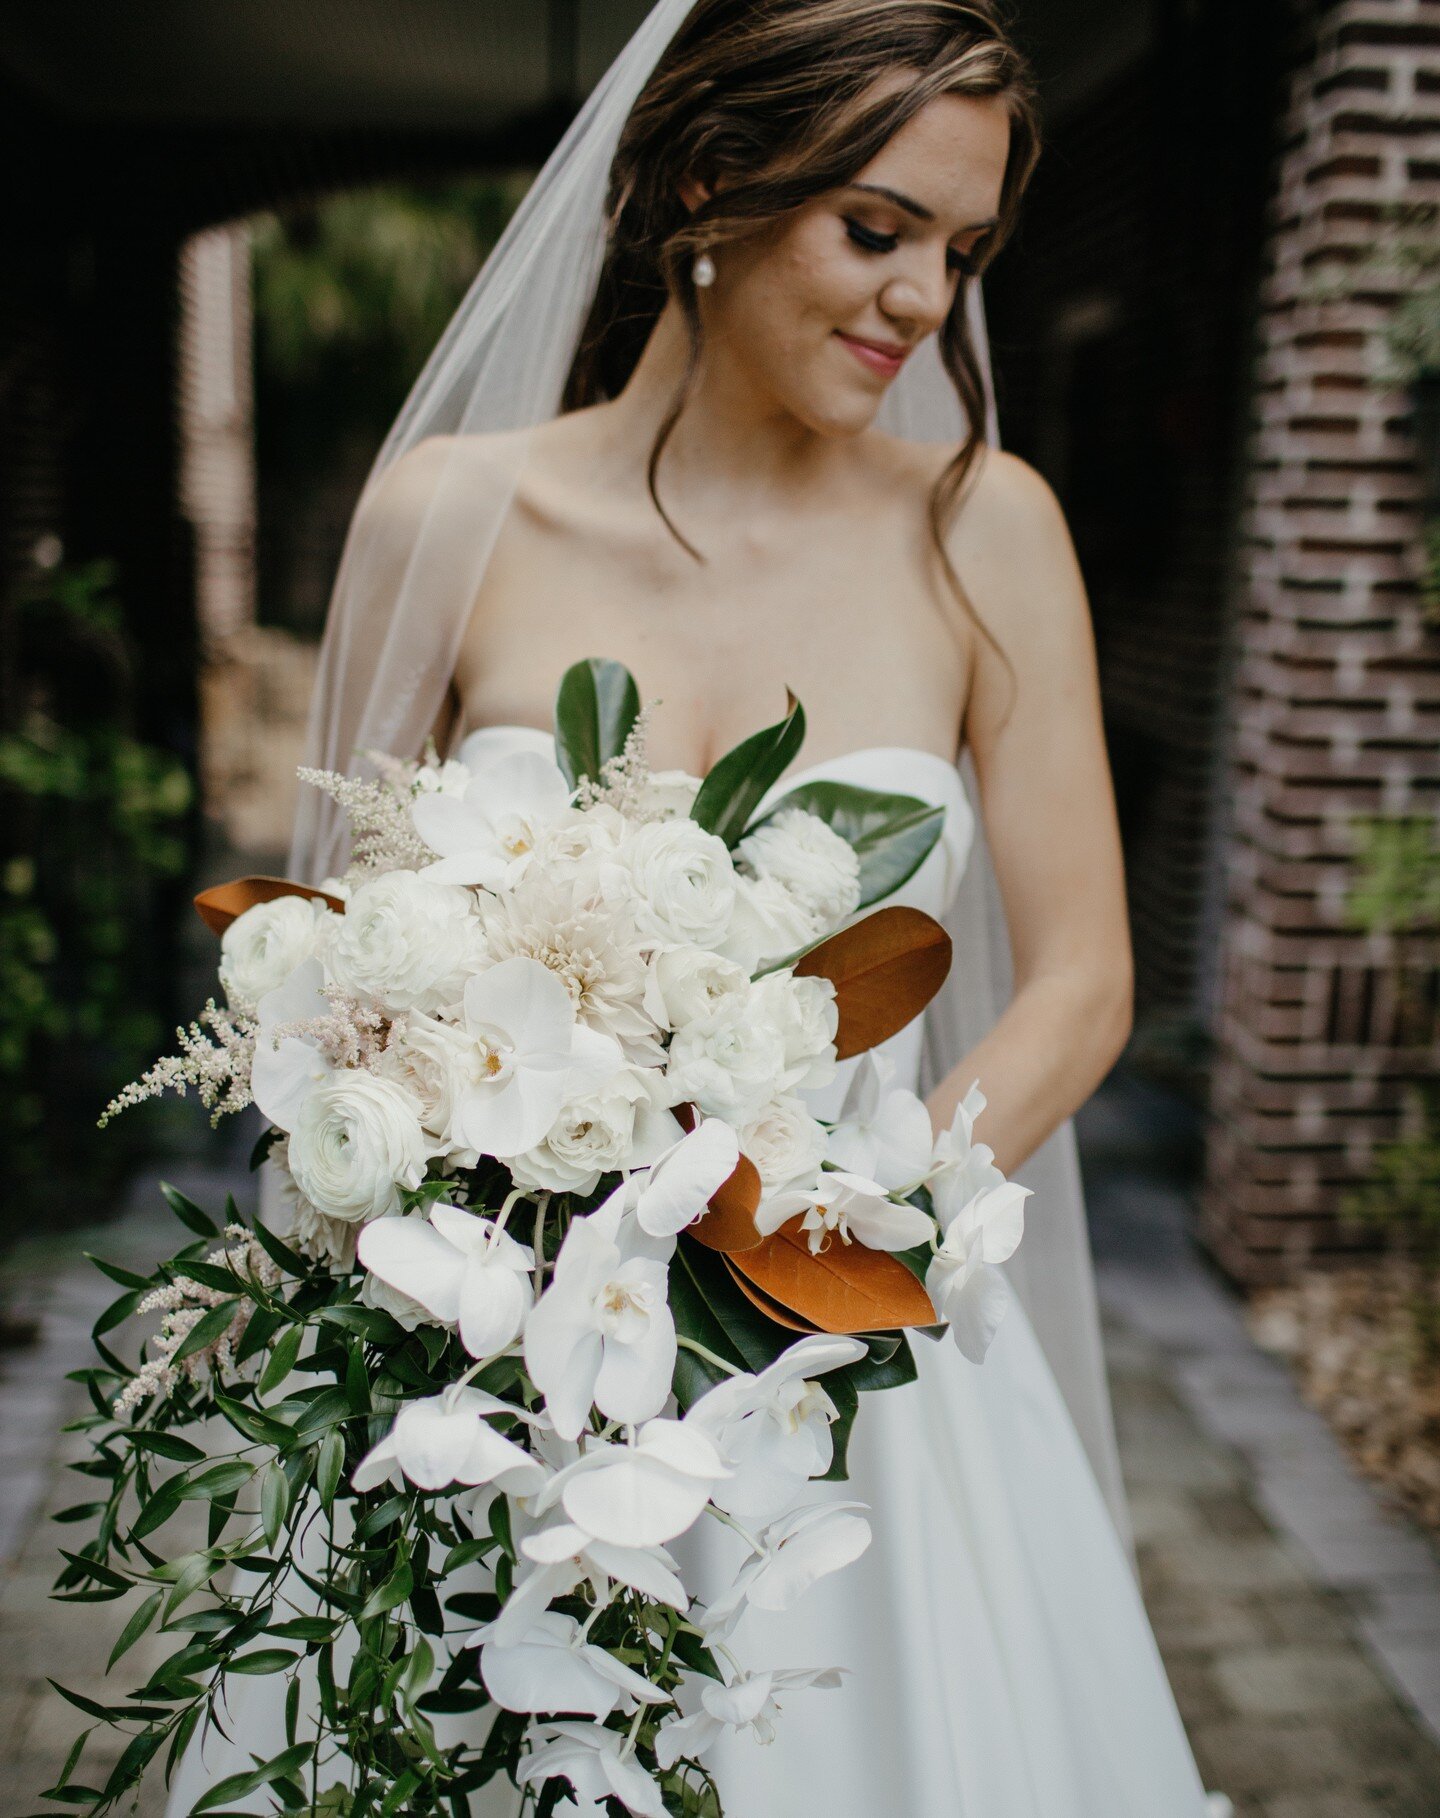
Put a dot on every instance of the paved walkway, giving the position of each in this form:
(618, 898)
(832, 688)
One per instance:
(1300, 1623)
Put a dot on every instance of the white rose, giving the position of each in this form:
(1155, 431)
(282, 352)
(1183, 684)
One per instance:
(767, 924)
(803, 1013)
(807, 858)
(682, 882)
(262, 947)
(437, 1062)
(356, 1142)
(596, 1135)
(730, 1064)
(687, 983)
(786, 1145)
(668, 794)
(579, 842)
(405, 943)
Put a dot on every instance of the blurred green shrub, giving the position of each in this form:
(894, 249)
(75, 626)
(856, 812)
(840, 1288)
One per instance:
(94, 821)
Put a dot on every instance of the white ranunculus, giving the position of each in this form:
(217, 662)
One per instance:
(438, 1062)
(406, 943)
(963, 1281)
(618, 1125)
(795, 1552)
(487, 835)
(462, 1268)
(262, 947)
(356, 1142)
(595, 1763)
(448, 1438)
(803, 1013)
(807, 858)
(302, 1226)
(731, 1063)
(687, 984)
(884, 1130)
(449, 777)
(681, 880)
(602, 1332)
(767, 924)
(785, 1143)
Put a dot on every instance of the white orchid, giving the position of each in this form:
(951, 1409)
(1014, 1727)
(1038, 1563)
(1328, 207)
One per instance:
(961, 1167)
(794, 1554)
(595, 1762)
(773, 1430)
(554, 1668)
(461, 1268)
(446, 1439)
(678, 1188)
(643, 1493)
(602, 1333)
(883, 1130)
(963, 1281)
(288, 1068)
(533, 1057)
(564, 1556)
(850, 1207)
(747, 1701)
(486, 835)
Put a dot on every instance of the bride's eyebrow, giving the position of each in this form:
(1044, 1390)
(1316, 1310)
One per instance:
(918, 209)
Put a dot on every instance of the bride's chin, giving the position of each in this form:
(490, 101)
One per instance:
(838, 415)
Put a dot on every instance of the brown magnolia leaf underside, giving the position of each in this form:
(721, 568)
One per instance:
(768, 1307)
(846, 1288)
(729, 1225)
(885, 971)
(220, 905)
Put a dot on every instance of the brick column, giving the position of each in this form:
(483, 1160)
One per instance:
(1335, 704)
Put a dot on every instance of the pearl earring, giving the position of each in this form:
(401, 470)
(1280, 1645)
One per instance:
(703, 272)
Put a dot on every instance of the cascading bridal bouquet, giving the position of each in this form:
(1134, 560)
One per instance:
(563, 1265)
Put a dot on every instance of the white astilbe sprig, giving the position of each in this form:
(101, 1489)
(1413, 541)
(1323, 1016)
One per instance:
(622, 780)
(216, 1053)
(184, 1304)
(382, 834)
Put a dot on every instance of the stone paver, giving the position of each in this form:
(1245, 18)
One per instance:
(1300, 1623)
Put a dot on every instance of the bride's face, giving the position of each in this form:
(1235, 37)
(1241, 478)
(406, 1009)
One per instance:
(820, 313)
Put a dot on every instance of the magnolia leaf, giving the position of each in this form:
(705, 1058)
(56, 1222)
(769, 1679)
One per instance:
(595, 708)
(843, 1288)
(892, 835)
(733, 790)
(224, 903)
(730, 1222)
(772, 1310)
(885, 971)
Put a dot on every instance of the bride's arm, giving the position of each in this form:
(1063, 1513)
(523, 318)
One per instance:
(1048, 806)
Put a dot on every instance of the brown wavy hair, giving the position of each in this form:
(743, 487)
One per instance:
(765, 103)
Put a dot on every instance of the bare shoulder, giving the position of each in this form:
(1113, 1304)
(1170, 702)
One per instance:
(442, 472)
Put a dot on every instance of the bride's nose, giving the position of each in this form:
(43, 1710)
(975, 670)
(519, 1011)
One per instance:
(920, 296)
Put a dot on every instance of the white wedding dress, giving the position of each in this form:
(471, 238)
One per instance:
(999, 1663)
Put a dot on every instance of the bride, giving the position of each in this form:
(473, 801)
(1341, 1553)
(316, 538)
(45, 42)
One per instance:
(717, 409)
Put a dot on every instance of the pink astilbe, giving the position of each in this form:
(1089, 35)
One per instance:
(622, 780)
(216, 1053)
(354, 1034)
(183, 1304)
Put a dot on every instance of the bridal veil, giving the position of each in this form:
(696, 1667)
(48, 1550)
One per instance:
(400, 610)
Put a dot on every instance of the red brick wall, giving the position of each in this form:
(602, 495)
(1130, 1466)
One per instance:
(1335, 708)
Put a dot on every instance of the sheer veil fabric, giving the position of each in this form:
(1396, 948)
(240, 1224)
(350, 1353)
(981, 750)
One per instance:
(401, 606)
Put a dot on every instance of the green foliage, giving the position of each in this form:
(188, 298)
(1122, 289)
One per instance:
(93, 819)
(1395, 885)
(733, 789)
(595, 711)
